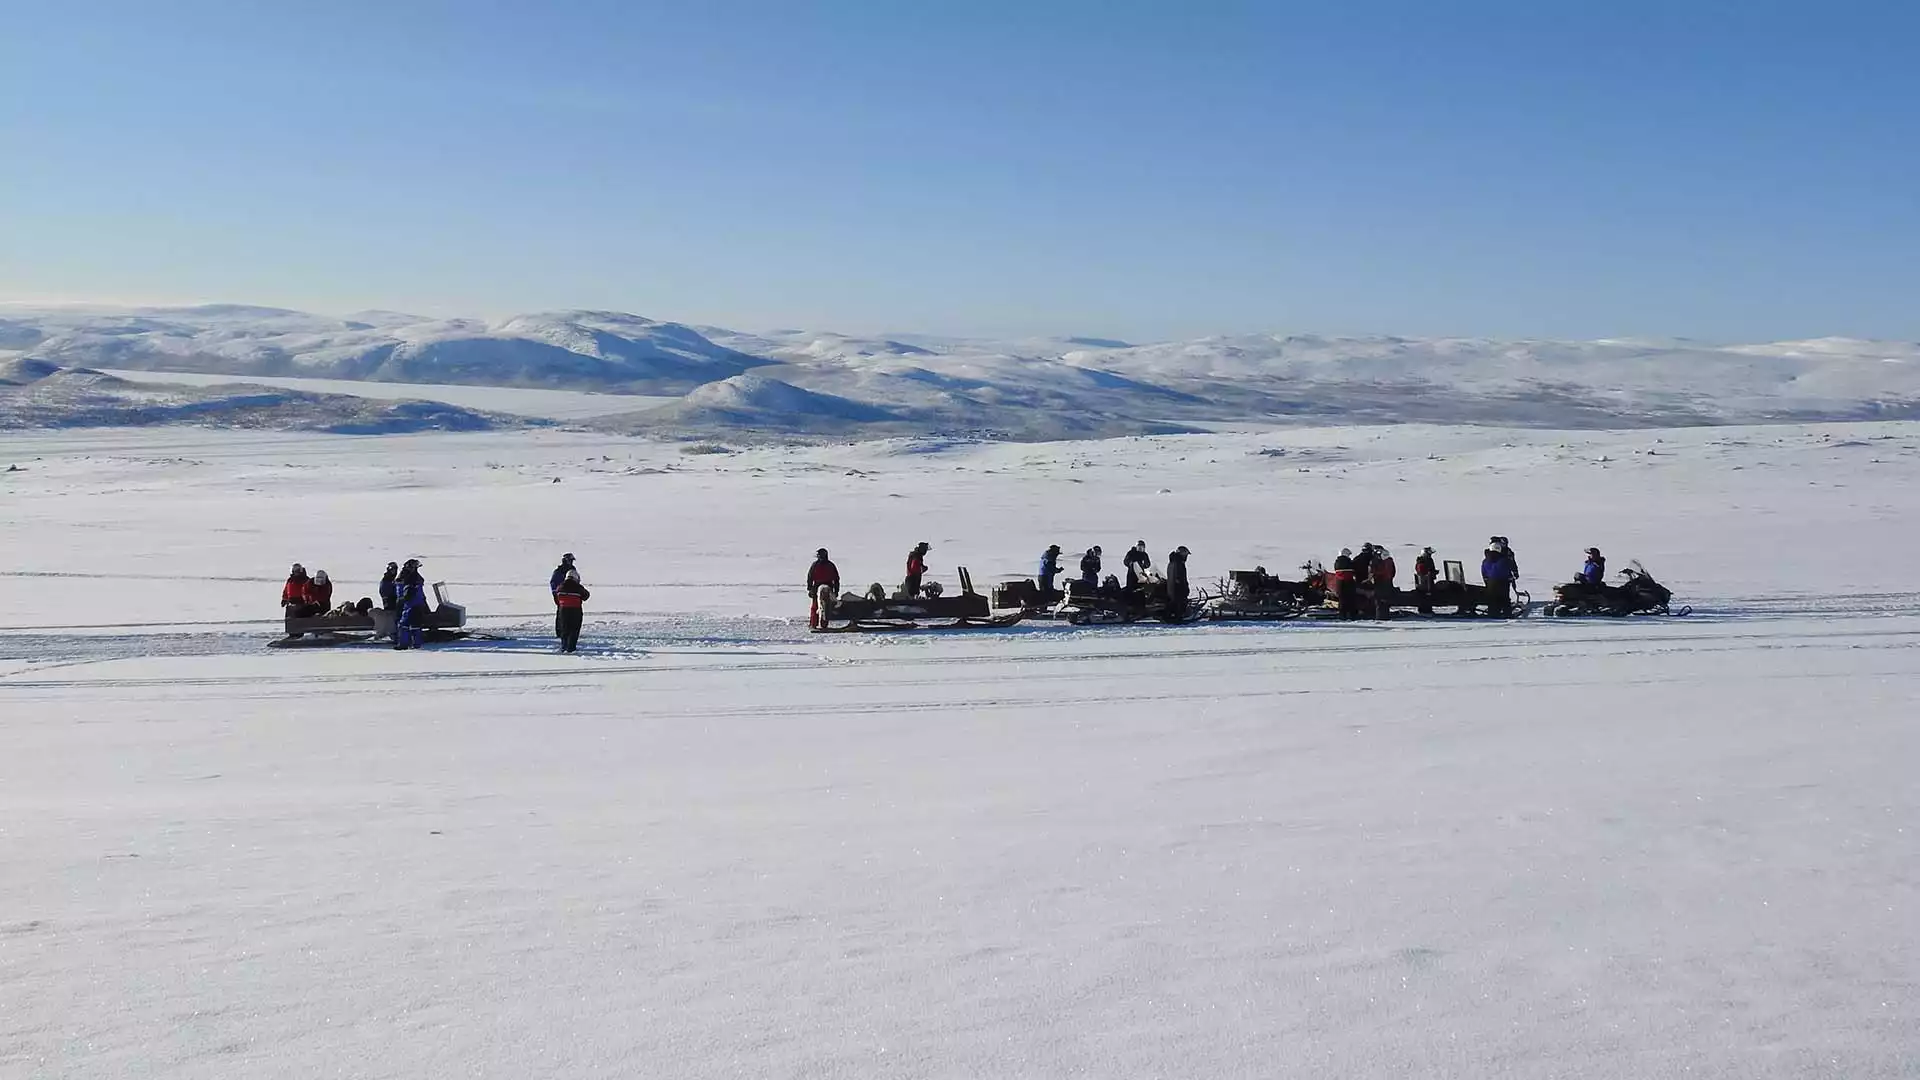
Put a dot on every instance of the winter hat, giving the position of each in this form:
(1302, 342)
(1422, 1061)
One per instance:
(297, 570)
(1182, 550)
(567, 558)
(573, 576)
(320, 578)
(1348, 552)
(821, 554)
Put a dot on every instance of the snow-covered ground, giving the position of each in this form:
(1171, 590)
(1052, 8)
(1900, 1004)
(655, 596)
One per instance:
(517, 401)
(714, 845)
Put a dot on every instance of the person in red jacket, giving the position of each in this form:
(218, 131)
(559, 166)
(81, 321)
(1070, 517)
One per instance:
(821, 575)
(320, 591)
(916, 569)
(296, 596)
(1425, 573)
(1381, 570)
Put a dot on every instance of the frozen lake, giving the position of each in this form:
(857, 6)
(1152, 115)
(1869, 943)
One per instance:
(715, 845)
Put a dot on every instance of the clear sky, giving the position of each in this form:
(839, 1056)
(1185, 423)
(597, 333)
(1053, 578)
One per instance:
(1724, 170)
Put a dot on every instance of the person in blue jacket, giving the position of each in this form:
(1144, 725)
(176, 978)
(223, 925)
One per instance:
(1497, 571)
(1595, 571)
(410, 628)
(1049, 568)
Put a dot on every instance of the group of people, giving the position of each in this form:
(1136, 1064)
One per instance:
(1136, 563)
(402, 591)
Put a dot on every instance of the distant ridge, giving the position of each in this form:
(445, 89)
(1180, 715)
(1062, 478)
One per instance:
(800, 382)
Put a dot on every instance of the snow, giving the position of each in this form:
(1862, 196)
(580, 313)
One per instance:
(713, 844)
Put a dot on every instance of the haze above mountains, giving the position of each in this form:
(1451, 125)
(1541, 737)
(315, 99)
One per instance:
(696, 381)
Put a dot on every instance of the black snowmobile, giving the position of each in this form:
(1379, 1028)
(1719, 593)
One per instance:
(1637, 594)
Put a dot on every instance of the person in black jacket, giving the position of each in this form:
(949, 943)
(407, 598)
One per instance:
(553, 586)
(390, 588)
(1177, 590)
(1090, 569)
(1137, 562)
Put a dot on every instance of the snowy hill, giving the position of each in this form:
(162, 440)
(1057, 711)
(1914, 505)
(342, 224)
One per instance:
(561, 350)
(816, 383)
(39, 394)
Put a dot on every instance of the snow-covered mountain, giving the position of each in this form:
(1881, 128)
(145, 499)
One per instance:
(798, 382)
(40, 394)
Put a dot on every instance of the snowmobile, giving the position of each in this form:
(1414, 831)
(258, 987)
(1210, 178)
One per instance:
(876, 611)
(1638, 594)
(1027, 595)
(1111, 603)
(446, 621)
(1255, 594)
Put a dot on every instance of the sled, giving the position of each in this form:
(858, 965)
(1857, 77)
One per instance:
(446, 621)
(1026, 595)
(1257, 596)
(968, 610)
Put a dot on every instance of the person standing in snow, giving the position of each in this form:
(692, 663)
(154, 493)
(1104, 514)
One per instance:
(1090, 570)
(1049, 569)
(411, 590)
(1505, 547)
(1382, 571)
(570, 598)
(553, 586)
(1177, 589)
(1425, 574)
(1496, 573)
(823, 585)
(1137, 563)
(390, 588)
(1344, 591)
(916, 569)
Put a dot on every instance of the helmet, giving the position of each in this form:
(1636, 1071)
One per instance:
(821, 554)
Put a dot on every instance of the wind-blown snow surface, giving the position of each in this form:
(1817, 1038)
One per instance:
(805, 383)
(713, 845)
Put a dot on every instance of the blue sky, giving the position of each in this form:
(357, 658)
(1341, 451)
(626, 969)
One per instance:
(1722, 170)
